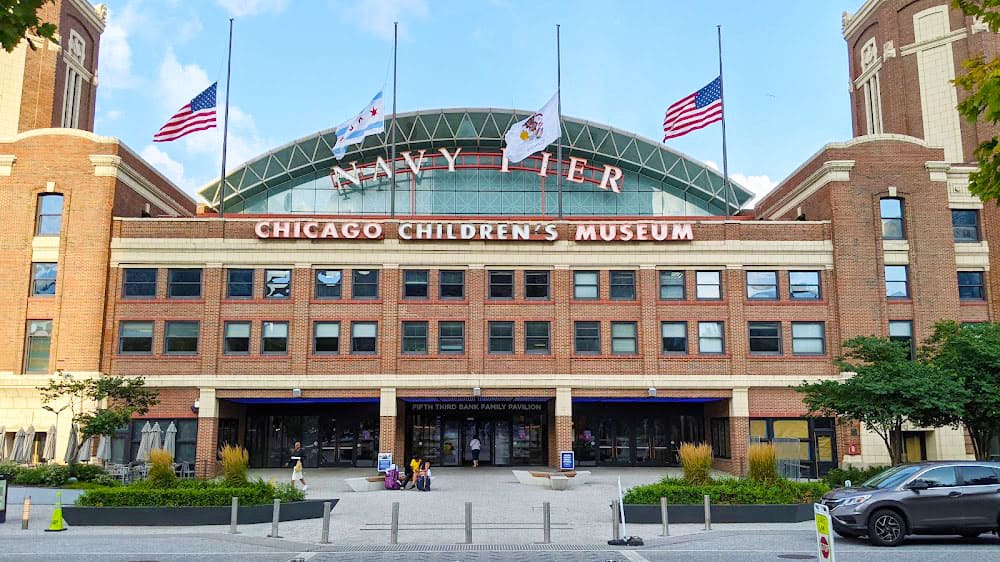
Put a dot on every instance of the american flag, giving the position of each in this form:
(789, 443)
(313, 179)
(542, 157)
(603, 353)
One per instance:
(693, 112)
(195, 116)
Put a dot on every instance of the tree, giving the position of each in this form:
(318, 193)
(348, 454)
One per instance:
(886, 390)
(982, 82)
(117, 399)
(971, 355)
(19, 18)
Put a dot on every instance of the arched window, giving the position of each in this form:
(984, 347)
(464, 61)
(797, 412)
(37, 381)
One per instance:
(891, 210)
(49, 219)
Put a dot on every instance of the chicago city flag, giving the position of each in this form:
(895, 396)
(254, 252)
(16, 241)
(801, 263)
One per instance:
(530, 135)
(353, 131)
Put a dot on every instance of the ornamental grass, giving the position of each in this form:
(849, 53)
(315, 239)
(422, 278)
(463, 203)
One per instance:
(161, 469)
(696, 461)
(235, 463)
(762, 460)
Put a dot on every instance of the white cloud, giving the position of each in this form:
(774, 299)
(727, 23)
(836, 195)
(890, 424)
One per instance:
(116, 54)
(759, 185)
(238, 8)
(177, 83)
(167, 166)
(377, 16)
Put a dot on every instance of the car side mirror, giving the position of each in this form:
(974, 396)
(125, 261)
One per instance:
(917, 485)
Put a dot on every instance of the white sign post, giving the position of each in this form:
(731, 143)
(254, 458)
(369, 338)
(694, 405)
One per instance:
(824, 532)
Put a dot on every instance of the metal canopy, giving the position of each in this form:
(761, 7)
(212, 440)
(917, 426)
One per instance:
(480, 128)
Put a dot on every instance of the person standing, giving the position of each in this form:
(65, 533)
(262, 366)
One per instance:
(476, 446)
(295, 461)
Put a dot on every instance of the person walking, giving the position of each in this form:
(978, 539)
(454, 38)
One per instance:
(476, 446)
(295, 462)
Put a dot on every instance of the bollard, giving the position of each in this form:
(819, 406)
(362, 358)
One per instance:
(547, 522)
(616, 529)
(233, 515)
(325, 536)
(664, 518)
(394, 532)
(468, 522)
(26, 513)
(708, 513)
(274, 520)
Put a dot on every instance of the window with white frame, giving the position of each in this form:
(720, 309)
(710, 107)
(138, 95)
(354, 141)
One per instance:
(75, 57)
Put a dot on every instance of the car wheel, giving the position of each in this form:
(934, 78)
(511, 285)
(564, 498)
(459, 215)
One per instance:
(886, 528)
(847, 534)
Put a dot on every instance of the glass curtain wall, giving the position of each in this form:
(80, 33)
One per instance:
(335, 435)
(635, 433)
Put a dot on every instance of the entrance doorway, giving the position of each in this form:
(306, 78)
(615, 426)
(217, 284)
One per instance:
(635, 434)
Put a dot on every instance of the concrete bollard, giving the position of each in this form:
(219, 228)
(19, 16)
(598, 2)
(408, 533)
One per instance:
(325, 535)
(394, 528)
(664, 518)
(234, 515)
(546, 522)
(275, 517)
(25, 513)
(708, 513)
(468, 522)
(616, 524)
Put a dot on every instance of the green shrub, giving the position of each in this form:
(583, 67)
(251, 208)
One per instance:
(53, 475)
(696, 461)
(727, 491)
(86, 472)
(9, 470)
(203, 493)
(762, 460)
(837, 476)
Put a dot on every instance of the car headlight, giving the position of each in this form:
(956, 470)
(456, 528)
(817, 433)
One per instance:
(856, 500)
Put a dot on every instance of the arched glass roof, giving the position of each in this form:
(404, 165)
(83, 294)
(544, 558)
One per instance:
(310, 158)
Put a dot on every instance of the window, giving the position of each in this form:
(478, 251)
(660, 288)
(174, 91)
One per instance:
(536, 285)
(979, 476)
(139, 283)
(892, 219)
(709, 284)
(501, 285)
(75, 55)
(49, 219)
(239, 283)
(871, 63)
(135, 336)
(720, 438)
(624, 339)
(236, 338)
(415, 338)
(415, 284)
(36, 351)
(184, 283)
(585, 285)
(326, 338)
(329, 283)
(762, 285)
(896, 286)
(43, 279)
(710, 337)
(675, 337)
(277, 283)
(451, 337)
(902, 331)
(364, 284)
(181, 338)
(536, 337)
(808, 338)
(970, 285)
(274, 338)
(364, 337)
(501, 337)
(965, 225)
(765, 337)
(803, 285)
(622, 285)
(452, 284)
(587, 337)
(672, 285)
(940, 477)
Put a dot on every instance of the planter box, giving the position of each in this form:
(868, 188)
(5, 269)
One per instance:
(783, 513)
(173, 516)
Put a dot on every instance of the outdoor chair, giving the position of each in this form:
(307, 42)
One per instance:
(186, 470)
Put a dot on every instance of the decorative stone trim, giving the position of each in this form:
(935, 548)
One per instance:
(830, 171)
(106, 165)
(7, 164)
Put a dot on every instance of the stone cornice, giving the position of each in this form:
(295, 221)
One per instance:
(7, 164)
(851, 23)
(830, 171)
(107, 165)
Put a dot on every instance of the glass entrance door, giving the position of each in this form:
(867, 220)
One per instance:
(484, 431)
(501, 442)
(451, 443)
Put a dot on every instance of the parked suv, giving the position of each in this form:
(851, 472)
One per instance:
(929, 498)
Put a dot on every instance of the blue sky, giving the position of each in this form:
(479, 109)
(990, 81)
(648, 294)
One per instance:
(300, 66)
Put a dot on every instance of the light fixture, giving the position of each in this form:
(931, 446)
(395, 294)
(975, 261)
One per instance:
(196, 406)
(476, 391)
(652, 392)
(296, 393)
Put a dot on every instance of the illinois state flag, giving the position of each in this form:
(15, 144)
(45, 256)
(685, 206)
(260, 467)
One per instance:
(369, 121)
(530, 135)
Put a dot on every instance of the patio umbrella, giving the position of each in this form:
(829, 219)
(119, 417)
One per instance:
(143, 453)
(49, 450)
(155, 437)
(71, 445)
(170, 440)
(27, 446)
(15, 451)
(84, 455)
(3, 443)
(104, 449)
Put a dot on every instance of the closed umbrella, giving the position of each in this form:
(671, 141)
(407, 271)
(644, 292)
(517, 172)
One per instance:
(104, 449)
(49, 450)
(15, 451)
(28, 447)
(70, 455)
(155, 436)
(170, 440)
(84, 455)
(3, 443)
(142, 454)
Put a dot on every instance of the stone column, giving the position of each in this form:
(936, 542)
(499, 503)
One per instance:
(387, 425)
(563, 423)
(739, 429)
(205, 464)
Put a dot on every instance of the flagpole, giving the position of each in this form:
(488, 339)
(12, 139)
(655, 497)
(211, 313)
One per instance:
(225, 126)
(559, 140)
(722, 98)
(392, 157)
